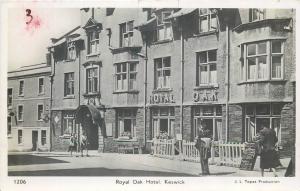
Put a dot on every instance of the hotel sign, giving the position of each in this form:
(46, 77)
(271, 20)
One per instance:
(161, 98)
(205, 96)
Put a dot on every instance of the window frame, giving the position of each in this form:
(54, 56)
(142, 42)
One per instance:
(18, 112)
(71, 48)
(68, 81)
(261, 11)
(122, 117)
(208, 64)
(21, 90)
(162, 71)
(91, 36)
(163, 25)
(128, 74)
(20, 137)
(40, 116)
(9, 125)
(43, 86)
(127, 32)
(254, 116)
(157, 117)
(9, 97)
(244, 66)
(87, 69)
(43, 138)
(208, 16)
(66, 118)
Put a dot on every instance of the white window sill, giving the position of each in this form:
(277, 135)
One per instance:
(125, 139)
(69, 97)
(92, 54)
(261, 81)
(162, 41)
(20, 120)
(205, 86)
(21, 95)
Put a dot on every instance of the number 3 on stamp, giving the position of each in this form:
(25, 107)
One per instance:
(28, 14)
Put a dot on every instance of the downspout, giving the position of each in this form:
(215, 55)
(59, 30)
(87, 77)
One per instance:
(145, 94)
(78, 125)
(227, 82)
(51, 96)
(182, 81)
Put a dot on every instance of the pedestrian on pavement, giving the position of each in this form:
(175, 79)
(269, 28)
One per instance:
(84, 145)
(268, 157)
(203, 144)
(72, 143)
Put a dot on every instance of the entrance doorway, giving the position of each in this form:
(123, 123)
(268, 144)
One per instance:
(91, 131)
(34, 140)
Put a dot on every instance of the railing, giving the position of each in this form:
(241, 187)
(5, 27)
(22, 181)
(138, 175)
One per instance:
(164, 148)
(228, 154)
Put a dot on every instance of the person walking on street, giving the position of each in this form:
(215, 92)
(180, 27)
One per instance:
(268, 157)
(72, 143)
(203, 144)
(84, 145)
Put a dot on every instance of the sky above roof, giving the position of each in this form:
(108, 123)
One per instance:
(27, 43)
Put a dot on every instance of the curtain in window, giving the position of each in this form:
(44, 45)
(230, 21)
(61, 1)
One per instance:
(251, 68)
(276, 66)
(262, 67)
(203, 75)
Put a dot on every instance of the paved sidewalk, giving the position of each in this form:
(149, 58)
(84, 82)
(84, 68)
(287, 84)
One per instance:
(137, 162)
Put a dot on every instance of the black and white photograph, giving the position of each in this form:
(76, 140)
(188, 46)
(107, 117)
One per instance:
(162, 92)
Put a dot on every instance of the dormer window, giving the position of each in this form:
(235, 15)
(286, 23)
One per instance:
(207, 20)
(93, 42)
(164, 26)
(126, 34)
(256, 15)
(71, 50)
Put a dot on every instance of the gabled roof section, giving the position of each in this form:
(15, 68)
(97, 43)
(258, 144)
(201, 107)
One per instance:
(62, 39)
(92, 23)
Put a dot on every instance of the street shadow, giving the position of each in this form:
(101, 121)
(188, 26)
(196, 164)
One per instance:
(15, 160)
(96, 172)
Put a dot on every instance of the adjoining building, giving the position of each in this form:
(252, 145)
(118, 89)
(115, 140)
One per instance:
(139, 74)
(28, 104)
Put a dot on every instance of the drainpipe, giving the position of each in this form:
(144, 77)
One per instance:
(51, 96)
(227, 81)
(182, 80)
(145, 93)
(78, 125)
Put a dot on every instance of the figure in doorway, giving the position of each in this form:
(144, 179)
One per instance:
(84, 145)
(268, 157)
(203, 144)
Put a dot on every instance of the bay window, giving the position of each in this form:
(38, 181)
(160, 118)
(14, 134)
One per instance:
(206, 67)
(162, 72)
(262, 61)
(126, 34)
(126, 123)
(125, 76)
(207, 20)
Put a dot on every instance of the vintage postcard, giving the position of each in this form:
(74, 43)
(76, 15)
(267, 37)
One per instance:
(148, 95)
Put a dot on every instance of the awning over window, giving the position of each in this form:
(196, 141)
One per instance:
(148, 25)
(180, 13)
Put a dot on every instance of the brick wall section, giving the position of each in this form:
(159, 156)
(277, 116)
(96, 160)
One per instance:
(235, 123)
(288, 121)
(187, 123)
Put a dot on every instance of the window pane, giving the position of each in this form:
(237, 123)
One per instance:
(213, 22)
(261, 122)
(204, 24)
(250, 110)
(276, 109)
(213, 73)
(262, 48)
(158, 62)
(124, 67)
(164, 111)
(262, 67)
(276, 47)
(167, 73)
(202, 57)
(208, 111)
(166, 62)
(263, 109)
(251, 68)
(203, 75)
(197, 111)
(118, 68)
(132, 67)
(154, 111)
(168, 31)
(130, 26)
(172, 111)
(212, 55)
(251, 49)
(203, 11)
(276, 67)
(161, 33)
(218, 110)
